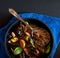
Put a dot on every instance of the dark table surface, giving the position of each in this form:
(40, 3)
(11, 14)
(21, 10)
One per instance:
(47, 7)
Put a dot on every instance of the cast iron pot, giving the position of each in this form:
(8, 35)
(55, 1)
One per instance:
(32, 21)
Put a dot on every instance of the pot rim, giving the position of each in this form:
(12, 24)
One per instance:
(28, 19)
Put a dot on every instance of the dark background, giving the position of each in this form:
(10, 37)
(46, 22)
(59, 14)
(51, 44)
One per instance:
(47, 7)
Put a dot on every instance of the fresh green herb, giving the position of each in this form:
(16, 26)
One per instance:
(26, 23)
(17, 50)
(32, 43)
(47, 49)
(26, 38)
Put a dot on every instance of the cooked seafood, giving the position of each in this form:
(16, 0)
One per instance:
(22, 43)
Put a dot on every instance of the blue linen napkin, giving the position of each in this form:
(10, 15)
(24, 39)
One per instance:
(52, 22)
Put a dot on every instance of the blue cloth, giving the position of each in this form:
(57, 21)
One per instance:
(52, 22)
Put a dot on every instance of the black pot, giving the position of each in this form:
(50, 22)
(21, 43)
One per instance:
(32, 21)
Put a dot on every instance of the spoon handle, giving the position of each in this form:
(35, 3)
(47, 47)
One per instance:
(14, 13)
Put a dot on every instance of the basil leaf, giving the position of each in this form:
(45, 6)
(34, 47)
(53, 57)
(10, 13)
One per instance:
(26, 38)
(17, 50)
(47, 49)
(26, 23)
(32, 43)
